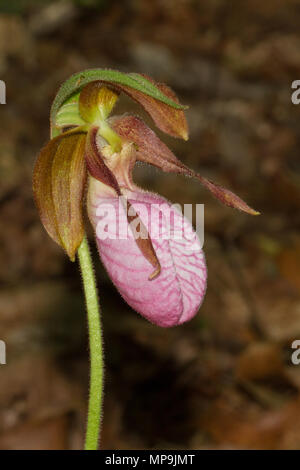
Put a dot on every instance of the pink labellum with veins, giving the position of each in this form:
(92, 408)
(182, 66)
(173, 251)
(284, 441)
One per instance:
(173, 292)
(175, 295)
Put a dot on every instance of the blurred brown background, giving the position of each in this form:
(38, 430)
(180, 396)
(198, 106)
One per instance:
(225, 380)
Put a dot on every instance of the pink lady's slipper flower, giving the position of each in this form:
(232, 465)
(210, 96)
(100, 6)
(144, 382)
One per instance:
(148, 248)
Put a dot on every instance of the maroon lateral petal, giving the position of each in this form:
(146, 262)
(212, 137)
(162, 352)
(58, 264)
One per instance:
(150, 149)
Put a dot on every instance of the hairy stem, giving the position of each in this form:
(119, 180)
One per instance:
(96, 349)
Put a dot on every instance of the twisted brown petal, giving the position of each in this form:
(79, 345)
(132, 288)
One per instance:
(95, 163)
(58, 185)
(98, 169)
(150, 149)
